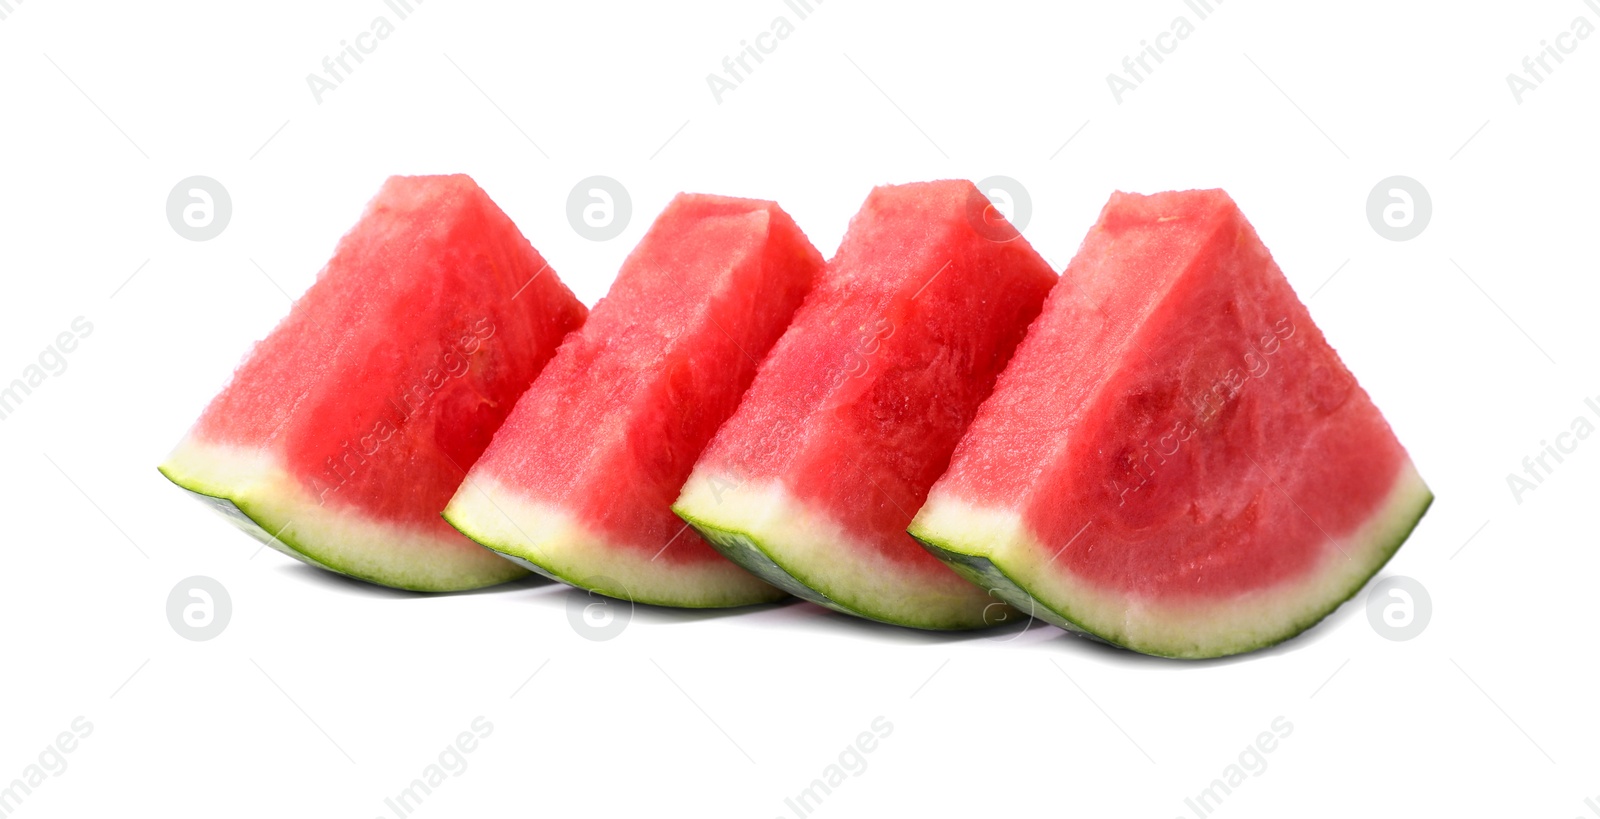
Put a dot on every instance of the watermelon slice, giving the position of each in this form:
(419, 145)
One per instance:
(1175, 460)
(346, 431)
(579, 483)
(853, 416)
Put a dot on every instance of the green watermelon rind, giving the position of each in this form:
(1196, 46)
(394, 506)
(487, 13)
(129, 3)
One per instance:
(748, 551)
(234, 507)
(599, 583)
(231, 510)
(985, 572)
(552, 540)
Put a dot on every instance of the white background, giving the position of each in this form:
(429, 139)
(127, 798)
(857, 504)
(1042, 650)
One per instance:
(323, 696)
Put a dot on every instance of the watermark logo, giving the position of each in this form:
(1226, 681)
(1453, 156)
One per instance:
(736, 68)
(1136, 69)
(52, 361)
(1000, 209)
(601, 610)
(851, 763)
(1536, 468)
(7, 8)
(599, 208)
(1538, 66)
(1399, 208)
(199, 608)
(337, 67)
(870, 339)
(451, 762)
(51, 763)
(1142, 461)
(1001, 612)
(1252, 762)
(199, 208)
(1398, 608)
(720, 484)
(340, 468)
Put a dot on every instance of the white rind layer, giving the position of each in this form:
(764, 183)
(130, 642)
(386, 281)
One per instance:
(762, 527)
(254, 491)
(993, 546)
(552, 542)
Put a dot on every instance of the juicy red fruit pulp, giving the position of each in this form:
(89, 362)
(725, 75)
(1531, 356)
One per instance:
(612, 429)
(1232, 449)
(390, 375)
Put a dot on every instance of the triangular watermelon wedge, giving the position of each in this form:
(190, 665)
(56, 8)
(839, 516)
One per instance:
(1175, 460)
(854, 414)
(579, 483)
(346, 431)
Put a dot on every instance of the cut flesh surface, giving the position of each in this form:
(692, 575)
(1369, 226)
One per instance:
(347, 429)
(579, 482)
(1175, 461)
(854, 414)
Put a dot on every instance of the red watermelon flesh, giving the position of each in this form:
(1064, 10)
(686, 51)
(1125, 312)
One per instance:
(347, 429)
(1175, 461)
(579, 483)
(853, 416)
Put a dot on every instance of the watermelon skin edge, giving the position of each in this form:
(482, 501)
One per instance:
(230, 510)
(545, 540)
(769, 510)
(1390, 528)
(268, 506)
(746, 551)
